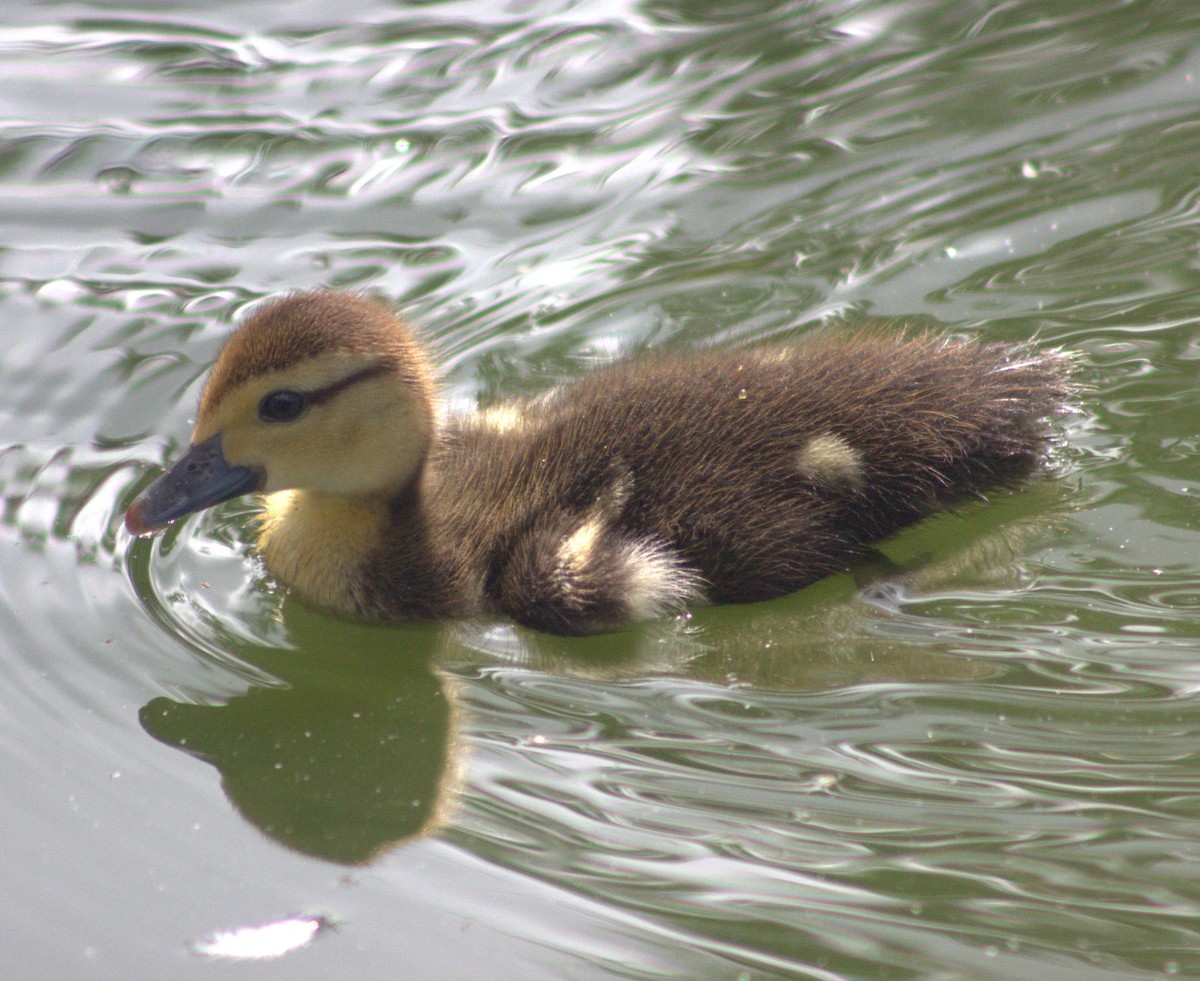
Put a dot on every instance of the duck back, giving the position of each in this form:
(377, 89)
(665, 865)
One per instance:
(723, 476)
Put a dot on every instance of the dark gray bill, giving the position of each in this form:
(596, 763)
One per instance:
(199, 479)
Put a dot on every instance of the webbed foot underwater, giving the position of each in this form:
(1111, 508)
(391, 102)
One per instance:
(653, 484)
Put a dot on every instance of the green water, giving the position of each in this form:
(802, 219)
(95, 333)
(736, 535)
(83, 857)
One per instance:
(983, 762)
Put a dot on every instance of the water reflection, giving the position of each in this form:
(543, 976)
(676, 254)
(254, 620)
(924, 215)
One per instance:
(339, 762)
(844, 630)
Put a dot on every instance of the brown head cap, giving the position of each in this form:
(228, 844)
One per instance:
(301, 326)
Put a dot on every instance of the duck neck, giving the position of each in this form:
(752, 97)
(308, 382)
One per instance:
(318, 544)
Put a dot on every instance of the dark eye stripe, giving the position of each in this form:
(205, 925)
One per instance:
(319, 395)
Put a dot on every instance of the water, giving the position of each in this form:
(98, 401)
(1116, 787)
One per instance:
(982, 765)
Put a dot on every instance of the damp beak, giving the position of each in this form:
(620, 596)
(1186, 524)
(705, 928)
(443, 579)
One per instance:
(199, 479)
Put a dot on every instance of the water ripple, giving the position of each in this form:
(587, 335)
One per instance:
(979, 761)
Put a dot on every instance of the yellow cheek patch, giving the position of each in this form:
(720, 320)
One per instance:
(246, 439)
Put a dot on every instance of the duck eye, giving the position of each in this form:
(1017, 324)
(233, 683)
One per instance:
(282, 406)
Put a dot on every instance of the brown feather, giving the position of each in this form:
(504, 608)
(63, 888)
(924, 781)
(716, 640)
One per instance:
(704, 451)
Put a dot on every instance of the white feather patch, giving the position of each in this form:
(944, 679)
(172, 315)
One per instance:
(576, 551)
(831, 458)
(501, 418)
(658, 581)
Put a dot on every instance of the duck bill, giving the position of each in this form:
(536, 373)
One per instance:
(199, 479)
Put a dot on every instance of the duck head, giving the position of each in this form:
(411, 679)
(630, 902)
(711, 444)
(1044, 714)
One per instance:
(323, 392)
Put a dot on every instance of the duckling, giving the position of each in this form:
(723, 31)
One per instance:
(653, 484)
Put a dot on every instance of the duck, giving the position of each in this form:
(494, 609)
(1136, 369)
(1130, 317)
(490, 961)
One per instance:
(647, 487)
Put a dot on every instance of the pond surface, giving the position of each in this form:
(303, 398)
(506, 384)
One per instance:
(982, 763)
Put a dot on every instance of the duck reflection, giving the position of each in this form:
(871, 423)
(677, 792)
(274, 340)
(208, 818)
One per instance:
(339, 760)
(855, 629)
